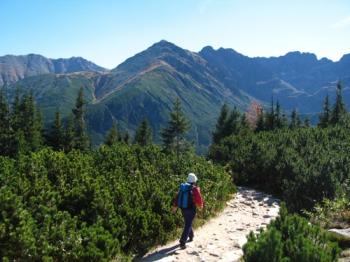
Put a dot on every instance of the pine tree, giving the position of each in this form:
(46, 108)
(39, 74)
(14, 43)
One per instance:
(69, 134)
(81, 140)
(143, 134)
(56, 136)
(278, 116)
(112, 136)
(15, 115)
(126, 138)
(260, 123)
(218, 134)
(173, 134)
(26, 123)
(5, 129)
(339, 110)
(232, 124)
(325, 117)
(294, 120)
(270, 117)
(32, 122)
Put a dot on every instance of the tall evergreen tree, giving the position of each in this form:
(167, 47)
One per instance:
(26, 124)
(112, 136)
(270, 117)
(218, 133)
(5, 129)
(233, 123)
(173, 134)
(260, 123)
(16, 112)
(143, 134)
(56, 136)
(280, 119)
(339, 110)
(325, 117)
(69, 134)
(32, 122)
(126, 138)
(81, 140)
(294, 120)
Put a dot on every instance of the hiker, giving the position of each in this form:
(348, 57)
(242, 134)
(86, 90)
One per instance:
(188, 199)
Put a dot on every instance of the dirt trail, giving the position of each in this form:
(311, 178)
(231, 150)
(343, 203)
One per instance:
(222, 238)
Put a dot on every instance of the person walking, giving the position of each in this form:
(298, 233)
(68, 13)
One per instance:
(188, 199)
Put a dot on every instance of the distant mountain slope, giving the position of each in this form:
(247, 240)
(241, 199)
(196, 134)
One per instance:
(14, 68)
(56, 91)
(147, 84)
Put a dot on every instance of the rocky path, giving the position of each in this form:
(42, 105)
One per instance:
(222, 238)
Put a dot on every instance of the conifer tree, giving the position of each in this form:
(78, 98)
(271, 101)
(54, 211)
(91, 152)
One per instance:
(81, 140)
(278, 116)
(56, 136)
(69, 134)
(126, 138)
(244, 124)
(173, 134)
(218, 134)
(112, 136)
(294, 120)
(27, 123)
(33, 123)
(325, 117)
(5, 130)
(143, 134)
(339, 110)
(15, 115)
(270, 117)
(260, 123)
(232, 124)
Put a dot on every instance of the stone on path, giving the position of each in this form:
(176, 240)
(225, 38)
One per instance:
(345, 233)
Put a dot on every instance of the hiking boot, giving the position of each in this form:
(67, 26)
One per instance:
(183, 246)
(190, 239)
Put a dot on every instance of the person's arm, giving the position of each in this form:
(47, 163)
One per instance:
(197, 197)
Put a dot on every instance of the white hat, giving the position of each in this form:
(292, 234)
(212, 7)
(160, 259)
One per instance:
(191, 178)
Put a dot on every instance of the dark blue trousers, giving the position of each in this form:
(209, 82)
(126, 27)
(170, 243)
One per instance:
(188, 215)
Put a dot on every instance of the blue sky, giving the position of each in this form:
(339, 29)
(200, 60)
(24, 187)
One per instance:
(109, 31)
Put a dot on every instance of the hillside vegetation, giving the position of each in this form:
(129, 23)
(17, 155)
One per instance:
(62, 201)
(303, 165)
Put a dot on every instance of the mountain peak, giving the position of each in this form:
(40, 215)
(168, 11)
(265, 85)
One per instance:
(298, 54)
(164, 44)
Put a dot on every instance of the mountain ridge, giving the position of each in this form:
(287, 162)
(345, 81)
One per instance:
(14, 68)
(146, 85)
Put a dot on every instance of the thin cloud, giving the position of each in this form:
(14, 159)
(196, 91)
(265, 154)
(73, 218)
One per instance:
(342, 23)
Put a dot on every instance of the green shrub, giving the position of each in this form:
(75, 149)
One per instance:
(302, 166)
(96, 206)
(290, 238)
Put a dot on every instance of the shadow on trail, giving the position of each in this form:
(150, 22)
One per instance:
(160, 254)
